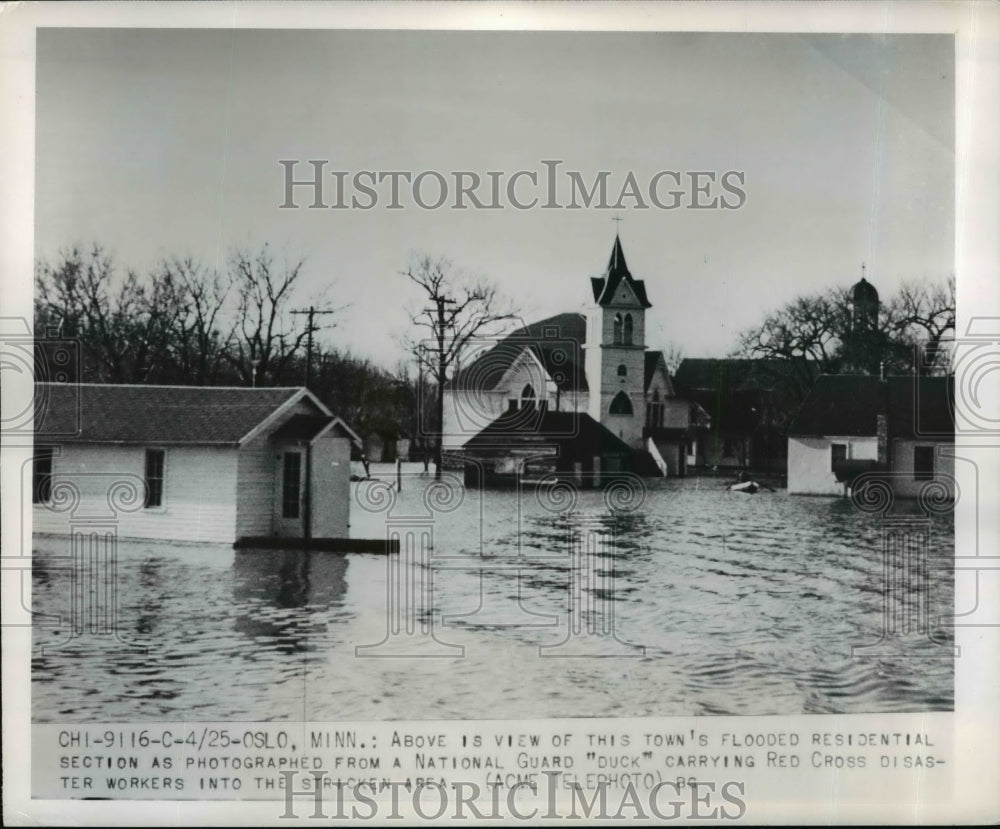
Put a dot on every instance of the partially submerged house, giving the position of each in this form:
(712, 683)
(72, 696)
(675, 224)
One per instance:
(188, 463)
(853, 424)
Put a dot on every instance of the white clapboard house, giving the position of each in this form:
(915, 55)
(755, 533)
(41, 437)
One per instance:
(188, 463)
(850, 425)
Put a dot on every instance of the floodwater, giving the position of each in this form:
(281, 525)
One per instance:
(700, 601)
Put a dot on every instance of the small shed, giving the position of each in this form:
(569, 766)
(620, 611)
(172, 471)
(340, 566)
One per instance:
(198, 464)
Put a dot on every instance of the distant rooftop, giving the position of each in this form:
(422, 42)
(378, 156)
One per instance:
(848, 405)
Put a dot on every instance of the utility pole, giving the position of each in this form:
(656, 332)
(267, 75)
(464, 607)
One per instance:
(311, 312)
(440, 301)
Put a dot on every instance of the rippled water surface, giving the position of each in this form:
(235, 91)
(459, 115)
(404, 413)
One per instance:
(719, 603)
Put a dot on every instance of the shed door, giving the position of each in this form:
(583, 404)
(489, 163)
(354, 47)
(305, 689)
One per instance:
(289, 506)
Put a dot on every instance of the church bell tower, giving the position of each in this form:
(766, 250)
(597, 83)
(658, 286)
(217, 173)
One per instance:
(615, 350)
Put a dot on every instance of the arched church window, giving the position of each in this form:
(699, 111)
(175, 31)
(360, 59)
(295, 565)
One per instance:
(628, 329)
(618, 329)
(621, 405)
(528, 397)
(622, 371)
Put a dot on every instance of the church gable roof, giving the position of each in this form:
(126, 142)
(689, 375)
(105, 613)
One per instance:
(605, 288)
(556, 342)
(654, 361)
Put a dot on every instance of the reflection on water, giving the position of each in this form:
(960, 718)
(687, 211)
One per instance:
(272, 588)
(723, 603)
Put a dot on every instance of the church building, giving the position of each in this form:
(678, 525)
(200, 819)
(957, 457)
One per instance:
(578, 392)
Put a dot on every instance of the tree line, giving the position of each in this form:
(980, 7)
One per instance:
(822, 333)
(183, 323)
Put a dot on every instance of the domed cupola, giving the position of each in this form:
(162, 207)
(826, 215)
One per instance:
(864, 305)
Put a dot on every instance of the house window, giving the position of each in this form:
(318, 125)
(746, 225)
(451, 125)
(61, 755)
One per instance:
(618, 329)
(728, 447)
(622, 371)
(291, 483)
(923, 463)
(621, 405)
(628, 329)
(154, 477)
(41, 474)
(838, 452)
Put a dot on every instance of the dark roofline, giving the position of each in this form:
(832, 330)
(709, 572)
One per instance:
(174, 386)
(283, 399)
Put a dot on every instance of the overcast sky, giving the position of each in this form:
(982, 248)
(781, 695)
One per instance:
(161, 142)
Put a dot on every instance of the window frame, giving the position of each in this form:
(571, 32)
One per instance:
(628, 400)
(919, 473)
(528, 398)
(42, 481)
(628, 330)
(285, 500)
(161, 479)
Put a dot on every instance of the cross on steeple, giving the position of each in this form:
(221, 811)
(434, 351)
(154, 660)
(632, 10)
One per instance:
(618, 221)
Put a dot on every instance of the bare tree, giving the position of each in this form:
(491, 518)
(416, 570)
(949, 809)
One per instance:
(264, 343)
(922, 316)
(84, 296)
(673, 356)
(807, 334)
(457, 309)
(196, 297)
(819, 334)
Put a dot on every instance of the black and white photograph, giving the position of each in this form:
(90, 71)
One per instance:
(582, 406)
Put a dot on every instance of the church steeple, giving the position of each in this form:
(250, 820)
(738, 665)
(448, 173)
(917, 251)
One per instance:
(616, 350)
(617, 265)
(605, 288)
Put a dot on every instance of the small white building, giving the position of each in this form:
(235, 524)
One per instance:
(186, 463)
(850, 424)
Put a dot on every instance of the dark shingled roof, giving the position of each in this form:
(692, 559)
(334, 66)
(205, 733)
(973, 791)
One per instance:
(557, 342)
(734, 374)
(576, 432)
(841, 404)
(924, 405)
(604, 287)
(98, 413)
(847, 404)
